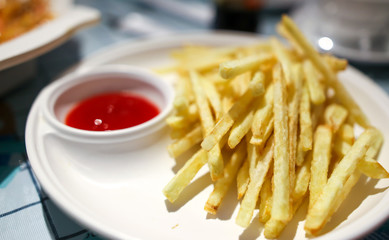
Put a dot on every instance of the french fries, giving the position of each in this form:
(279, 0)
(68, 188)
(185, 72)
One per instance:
(274, 120)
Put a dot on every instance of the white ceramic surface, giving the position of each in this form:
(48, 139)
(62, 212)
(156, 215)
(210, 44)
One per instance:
(118, 194)
(61, 96)
(68, 19)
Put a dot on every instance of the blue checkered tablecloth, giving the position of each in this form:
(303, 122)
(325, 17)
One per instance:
(26, 212)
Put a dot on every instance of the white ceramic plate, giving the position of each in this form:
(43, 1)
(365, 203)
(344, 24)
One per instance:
(119, 194)
(68, 19)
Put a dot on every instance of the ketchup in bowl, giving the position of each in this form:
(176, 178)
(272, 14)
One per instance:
(111, 111)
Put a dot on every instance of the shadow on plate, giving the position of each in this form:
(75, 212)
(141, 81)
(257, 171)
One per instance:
(364, 188)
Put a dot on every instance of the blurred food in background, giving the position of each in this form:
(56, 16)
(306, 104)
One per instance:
(20, 16)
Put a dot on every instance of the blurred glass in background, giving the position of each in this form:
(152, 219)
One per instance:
(239, 15)
(355, 29)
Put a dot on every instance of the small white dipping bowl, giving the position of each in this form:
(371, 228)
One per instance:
(61, 96)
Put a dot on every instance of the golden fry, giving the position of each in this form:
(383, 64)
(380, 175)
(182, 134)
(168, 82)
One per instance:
(206, 118)
(234, 68)
(320, 162)
(335, 115)
(316, 90)
(281, 192)
(182, 145)
(183, 177)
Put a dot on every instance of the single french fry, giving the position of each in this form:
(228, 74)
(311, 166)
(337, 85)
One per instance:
(222, 185)
(321, 211)
(234, 68)
(320, 162)
(177, 122)
(249, 201)
(239, 84)
(193, 113)
(281, 186)
(344, 139)
(243, 179)
(282, 56)
(374, 148)
(285, 33)
(185, 175)
(371, 168)
(293, 113)
(214, 99)
(257, 84)
(305, 122)
(316, 90)
(241, 127)
(300, 154)
(334, 116)
(204, 64)
(182, 145)
(181, 100)
(350, 183)
(336, 64)
(215, 160)
(260, 141)
(252, 155)
(340, 92)
(266, 199)
(341, 147)
(303, 176)
(346, 133)
(206, 118)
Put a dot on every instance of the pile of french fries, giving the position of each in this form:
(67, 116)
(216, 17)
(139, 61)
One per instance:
(275, 120)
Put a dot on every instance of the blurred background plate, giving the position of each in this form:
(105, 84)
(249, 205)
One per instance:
(68, 18)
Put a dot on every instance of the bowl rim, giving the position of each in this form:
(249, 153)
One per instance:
(60, 86)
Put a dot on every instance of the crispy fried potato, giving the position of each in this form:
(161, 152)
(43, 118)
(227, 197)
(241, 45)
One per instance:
(243, 179)
(281, 185)
(182, 145)
(234, 68)
(185, 175)
(305, 138)
(320, 162)
(266, 197)
(206, 117)
(312, 79)
(335, 115)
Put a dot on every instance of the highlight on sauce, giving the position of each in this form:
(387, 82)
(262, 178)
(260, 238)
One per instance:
(111, 111)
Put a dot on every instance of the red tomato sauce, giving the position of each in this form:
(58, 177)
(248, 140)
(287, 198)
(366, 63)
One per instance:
(111, 111)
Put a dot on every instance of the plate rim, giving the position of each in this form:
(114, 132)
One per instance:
(90, 61)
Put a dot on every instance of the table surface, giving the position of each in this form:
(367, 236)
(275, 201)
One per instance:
(26, 212)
